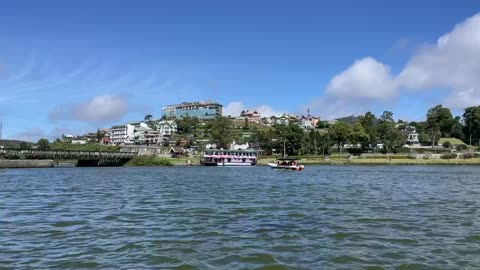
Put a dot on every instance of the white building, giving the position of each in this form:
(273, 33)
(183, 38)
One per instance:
(235, 146)
(122, 134)
(78, 140)
(167, 127)
(252, 116)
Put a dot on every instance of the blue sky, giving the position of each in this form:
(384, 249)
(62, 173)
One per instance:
(73, 66)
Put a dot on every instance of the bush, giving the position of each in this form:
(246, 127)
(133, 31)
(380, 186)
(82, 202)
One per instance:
(447, 144)
(462, 147)
(468, 155)
(449, 156)
(354, 151)
(141, 161)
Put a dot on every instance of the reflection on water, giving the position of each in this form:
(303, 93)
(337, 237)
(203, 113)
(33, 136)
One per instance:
(378, 217)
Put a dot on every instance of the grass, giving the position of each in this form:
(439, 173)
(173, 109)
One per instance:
(57, 146)
(453, 141)
(395, 160)
(161, 161)
(141, 161)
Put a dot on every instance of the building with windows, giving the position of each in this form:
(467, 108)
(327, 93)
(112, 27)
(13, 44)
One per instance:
(252, 116)
(122, 134)
(202, 110)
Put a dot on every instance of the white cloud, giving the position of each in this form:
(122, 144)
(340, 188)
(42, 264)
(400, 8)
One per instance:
(366, 78)
(99, 109)
(452, 63)
(234, 108)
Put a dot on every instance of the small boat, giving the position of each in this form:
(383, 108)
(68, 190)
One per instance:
(286, 164)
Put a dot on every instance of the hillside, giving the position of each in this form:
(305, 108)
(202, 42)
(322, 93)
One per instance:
(13, 143)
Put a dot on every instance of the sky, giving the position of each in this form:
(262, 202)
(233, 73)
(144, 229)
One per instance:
(67, 67)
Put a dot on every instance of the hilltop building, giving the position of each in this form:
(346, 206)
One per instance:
(202, 110)
(252, 116)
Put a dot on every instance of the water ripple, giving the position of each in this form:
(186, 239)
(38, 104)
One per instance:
(378, 217)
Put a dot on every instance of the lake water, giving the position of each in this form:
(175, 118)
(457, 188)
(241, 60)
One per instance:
(365, 217)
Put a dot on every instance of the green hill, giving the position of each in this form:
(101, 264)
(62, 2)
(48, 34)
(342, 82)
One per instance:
(13, 144)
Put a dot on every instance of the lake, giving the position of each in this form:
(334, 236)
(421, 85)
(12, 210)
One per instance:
(326, 217)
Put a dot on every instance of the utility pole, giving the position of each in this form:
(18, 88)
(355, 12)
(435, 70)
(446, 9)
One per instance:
(470, 139)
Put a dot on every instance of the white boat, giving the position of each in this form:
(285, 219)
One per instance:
(286, 164)
(216, 157)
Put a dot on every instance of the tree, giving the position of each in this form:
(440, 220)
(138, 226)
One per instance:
(447, 144)
(148, 117)
(471, 118)
(325, 143)
(43, 144)
(369, 124)
(292, 135)
(24, 146)
(267, 140)
(387, 116)
(246, 124)
(340, 134)
(359, 136)
(187, 125)
(457, 129)
(323, 124)
(439, 120)
(391, 137)
(99, 135)
(221, 132)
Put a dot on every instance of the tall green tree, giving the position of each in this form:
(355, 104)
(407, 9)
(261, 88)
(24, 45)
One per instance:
(388, 134)
(439, 120)
(359, 136)
(292, 135)
(99, 135)
(43, 144)
(369, 124)
(221, 132)
(340, 133)
(457, 128)
(471, 118)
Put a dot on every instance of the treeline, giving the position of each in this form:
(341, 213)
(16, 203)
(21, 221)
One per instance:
(362, 133)
(366, 133)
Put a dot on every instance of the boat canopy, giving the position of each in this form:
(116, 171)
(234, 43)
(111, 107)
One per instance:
(288, 158)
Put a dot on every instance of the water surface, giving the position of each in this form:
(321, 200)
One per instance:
(365, 217)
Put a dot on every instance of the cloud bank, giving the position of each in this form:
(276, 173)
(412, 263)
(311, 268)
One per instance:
(452, 63)
(234, 108)
(98, 110)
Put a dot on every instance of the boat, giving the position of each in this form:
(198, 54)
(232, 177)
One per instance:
(287, 163)
(216, 157)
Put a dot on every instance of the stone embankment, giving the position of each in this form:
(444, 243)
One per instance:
(26, 163)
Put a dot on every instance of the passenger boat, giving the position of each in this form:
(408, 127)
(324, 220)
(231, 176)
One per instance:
(286, 164)
(216, 157)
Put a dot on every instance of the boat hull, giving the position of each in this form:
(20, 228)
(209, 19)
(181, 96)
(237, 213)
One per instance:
(228, 164)
(286, 167)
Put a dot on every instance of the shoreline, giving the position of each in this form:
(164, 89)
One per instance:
(11, 164)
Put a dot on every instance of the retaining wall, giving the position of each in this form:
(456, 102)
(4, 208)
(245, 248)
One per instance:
(26, 163)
